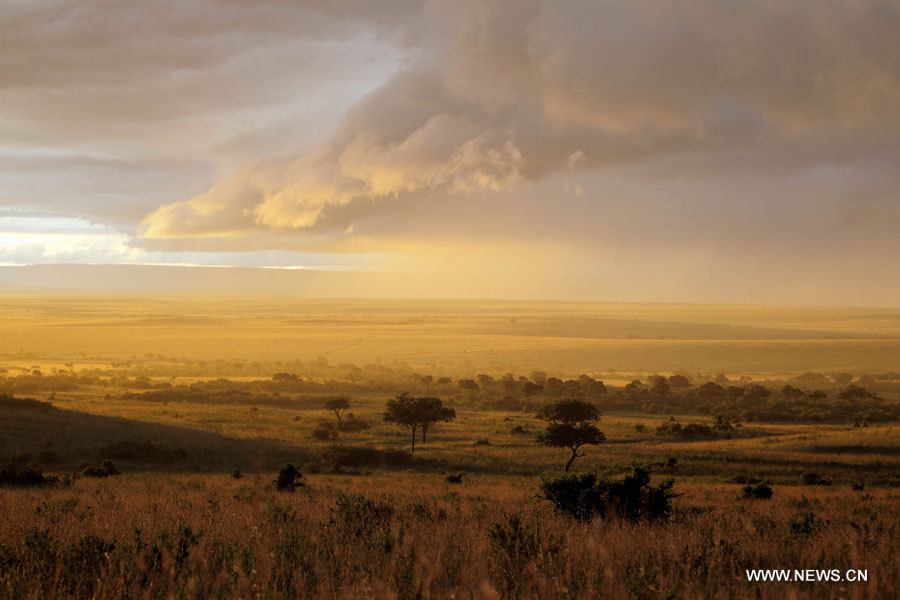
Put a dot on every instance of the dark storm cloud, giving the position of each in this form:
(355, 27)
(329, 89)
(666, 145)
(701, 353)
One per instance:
(507, 93)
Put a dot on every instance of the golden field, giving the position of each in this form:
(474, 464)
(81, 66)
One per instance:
(194, 512)
(564, 337)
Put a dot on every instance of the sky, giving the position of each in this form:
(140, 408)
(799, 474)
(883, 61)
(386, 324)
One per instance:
(689, 151)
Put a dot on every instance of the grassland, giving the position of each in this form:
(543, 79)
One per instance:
(372, 521)
(465, 336)
(185, 526)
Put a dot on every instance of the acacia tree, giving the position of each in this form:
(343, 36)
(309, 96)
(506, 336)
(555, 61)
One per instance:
(431, 411)
(570, 424)
(402, 411)
(414, 413)
(337, 406)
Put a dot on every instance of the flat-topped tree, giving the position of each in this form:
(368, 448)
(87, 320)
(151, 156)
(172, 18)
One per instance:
(408, 411)
(337, 406)
(570, 424)
(431, 411)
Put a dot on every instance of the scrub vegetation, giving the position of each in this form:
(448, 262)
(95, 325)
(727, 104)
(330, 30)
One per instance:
(154, 476)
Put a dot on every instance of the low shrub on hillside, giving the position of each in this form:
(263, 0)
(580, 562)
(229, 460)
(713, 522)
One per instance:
(22, 471)
(586, 495)
(288, 479)
(760, 491)
(325, 430)
(693, 431)
(811, 478)
(106, 468)
(8, 401)
(338, 457)
(350, 424)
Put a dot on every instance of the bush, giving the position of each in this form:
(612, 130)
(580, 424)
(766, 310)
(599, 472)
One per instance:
(350, 424)
(22, 471)
(338, 457)
(632, 498)
(811, 478)
(519, 430)
(690, 431)
(325, 430)
(288, 479)
(482, 442)
(454, 478)
(10, 401)
(697, 430)
(759, 491)
(107, 468)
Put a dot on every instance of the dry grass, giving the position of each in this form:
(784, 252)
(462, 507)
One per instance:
(184, 528)
(245, 540)
(497, 336)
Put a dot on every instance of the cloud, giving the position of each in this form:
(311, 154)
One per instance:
(118, 108)
(505, 94)
(579, 142)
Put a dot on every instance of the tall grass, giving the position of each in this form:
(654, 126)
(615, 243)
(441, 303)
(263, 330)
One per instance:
(411, 535)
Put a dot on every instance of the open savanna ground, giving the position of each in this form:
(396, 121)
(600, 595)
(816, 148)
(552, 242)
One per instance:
(373, 521)
(564, 337)
(199, 403)
(413, 535)
(247, 437)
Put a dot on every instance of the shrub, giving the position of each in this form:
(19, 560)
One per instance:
(10, 401)
(350, 424)
(325, 430)
(482, 442)
(338, 457)
(689, 431)
(858, 487)
(696, 430)
(22, 471)
(811, 478)
(632, 498)
(759, 491)
(107, 468)
(670, 427)
(519, 430)
(288, 479)
(454, 478)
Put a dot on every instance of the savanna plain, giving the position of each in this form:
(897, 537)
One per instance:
(210, 447)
